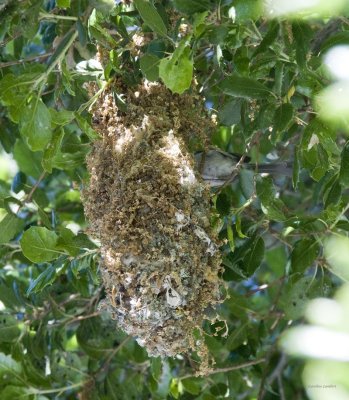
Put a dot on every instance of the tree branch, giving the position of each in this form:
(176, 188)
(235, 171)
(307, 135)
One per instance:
(227, 369)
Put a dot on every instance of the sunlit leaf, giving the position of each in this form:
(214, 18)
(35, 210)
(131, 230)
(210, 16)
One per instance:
(337, 252)
(39, 244)
(177, 70)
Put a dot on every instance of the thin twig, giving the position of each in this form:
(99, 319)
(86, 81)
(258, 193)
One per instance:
(273, 347)
(239, 164)
(277, 374)
(30, 194)
(24, 60)
(281, 388)
(9, 39)
(108, 360)
(265, 286)
(227, 369)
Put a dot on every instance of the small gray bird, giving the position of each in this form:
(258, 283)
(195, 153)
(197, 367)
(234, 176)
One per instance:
(217, 166)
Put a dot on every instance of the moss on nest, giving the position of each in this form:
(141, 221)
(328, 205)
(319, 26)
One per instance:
(150, 209)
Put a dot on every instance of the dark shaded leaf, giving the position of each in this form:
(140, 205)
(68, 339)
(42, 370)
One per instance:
(52, 150)
(156, 367)
(46, 278)
(10, 225)
(191, 6)
(150, 66)
(18, 182)
(283, 117)
(230, 114)
(9, 330)
(304, 254)
(249, 88)
(254, 256)
(29, 162)
(344, 167)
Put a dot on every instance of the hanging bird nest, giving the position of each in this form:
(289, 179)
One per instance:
(151, 211)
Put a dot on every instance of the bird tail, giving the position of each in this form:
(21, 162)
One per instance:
(279, 168)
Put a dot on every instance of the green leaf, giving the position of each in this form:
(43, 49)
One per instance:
(254, 256)
(9, 330)
(61, 46)
(238, 227)
(82, 32)
(269, 38)
(86, 127)
(97, 31)
(177, 70)
(10, 225)
(174, 388)
(192, 385)
(44, 218)
(72, 244)
(19, 182)
(296, 168)
(248, 88)
(39, 244)
(304, 254)
(333, 193)
(35, 124)
(271, 206)
(248, 9)
(219, 389)
(150, 66)
(191, 6)
(246, 181)
(296, 295)
(14, 89)
(336, 251)
(344, 168)
(230, 235)
(63, 3)
(237, 337)
(11, 392)
(4, 191)
(156, 367)
(234, 266)
(104, 6)
(61, 117)
(52, 150)
(335, 40)
(302, 34)
(283, 117)
(28, 161)
(9, 366)
(230, 113)
(265, 190)
(151, 17)
(46, 278)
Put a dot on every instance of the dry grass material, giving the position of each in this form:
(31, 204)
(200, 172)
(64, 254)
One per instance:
(151, 211)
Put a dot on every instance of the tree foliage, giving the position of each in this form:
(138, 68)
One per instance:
(270, 76)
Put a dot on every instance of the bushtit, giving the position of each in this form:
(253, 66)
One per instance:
(217, 166)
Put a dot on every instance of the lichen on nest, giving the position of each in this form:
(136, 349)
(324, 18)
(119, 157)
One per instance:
(151, 211)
